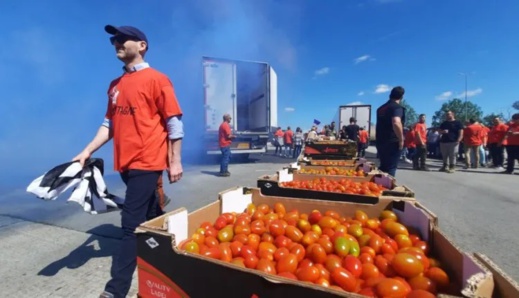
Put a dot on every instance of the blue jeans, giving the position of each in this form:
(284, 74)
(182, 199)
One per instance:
(226, 158)
(139, 201)
(297, 151)
(389, 155)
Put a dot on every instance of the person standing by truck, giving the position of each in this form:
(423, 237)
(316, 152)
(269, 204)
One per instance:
(390, 131)
(512, 143)
(298, 142)
(363, 142)
(225, 137)
(352, 130)
(288, 138)
(143, 118)
(278, 141)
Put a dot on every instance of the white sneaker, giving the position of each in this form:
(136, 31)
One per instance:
(407, 160)
(499, 168)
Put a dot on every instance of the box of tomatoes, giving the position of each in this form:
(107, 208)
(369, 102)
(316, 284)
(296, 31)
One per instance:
(366, 169)
(367, 189)
(246, 244)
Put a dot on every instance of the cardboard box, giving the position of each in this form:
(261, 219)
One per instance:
(365, 166)
(270, 185)
(329, 149)
(166, 271)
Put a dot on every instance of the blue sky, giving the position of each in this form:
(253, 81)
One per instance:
(57, 61)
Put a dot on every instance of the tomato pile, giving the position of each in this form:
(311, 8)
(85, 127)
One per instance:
(334, 171)
(377, 257)
(339, 163)
(342, 186)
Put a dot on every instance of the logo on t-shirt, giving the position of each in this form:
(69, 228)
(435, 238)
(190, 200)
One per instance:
(114, 93)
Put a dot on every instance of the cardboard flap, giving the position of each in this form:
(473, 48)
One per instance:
(366, 167)
(504, 286)
(477, 282)
(383, 180)
(235, 200)
(177, 224)
(416, 218)
(285, 176)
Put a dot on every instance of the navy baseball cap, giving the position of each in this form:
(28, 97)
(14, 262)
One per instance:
(128, 31)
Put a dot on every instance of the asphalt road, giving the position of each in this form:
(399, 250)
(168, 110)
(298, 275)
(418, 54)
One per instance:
(476, 208)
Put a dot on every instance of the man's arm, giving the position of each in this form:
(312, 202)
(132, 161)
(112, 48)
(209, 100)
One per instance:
(102, 137)
(461, 136)
(175, 134)
(399, 131)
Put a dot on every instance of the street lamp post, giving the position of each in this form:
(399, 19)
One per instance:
(466, 89)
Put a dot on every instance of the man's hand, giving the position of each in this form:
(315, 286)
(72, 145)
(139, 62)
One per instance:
(175, 172)
(401, 145)
(82, 157)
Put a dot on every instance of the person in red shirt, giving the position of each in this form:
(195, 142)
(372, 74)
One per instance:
(472, 139)
(420, 156)
(225, 137)
(278, 141)
(410, 144)
(143, 118)
(289, 140)
(512, 143)
(495, 136)
(363, 142)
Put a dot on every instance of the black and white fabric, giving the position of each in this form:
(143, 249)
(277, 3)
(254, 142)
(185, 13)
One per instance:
(89, 191)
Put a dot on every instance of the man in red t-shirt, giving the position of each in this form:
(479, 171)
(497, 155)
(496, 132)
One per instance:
(289, 140)
(225, 137)
(363, 142)
(512, 143)
(495, 136)
(143, 118)
(472, 139)
(420, 156)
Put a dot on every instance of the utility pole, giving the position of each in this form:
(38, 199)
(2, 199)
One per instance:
(466, 90)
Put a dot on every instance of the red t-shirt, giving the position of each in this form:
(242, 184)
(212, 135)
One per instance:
(410, 141)
(138, 105)
(473, 135)
(421, 131)
(224, 133)
(363, 136)
(289, 134)
(497, 133)
(513, 140)
(279, 133)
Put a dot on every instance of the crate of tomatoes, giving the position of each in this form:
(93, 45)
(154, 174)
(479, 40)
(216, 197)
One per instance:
(246, 244)
(367, 189)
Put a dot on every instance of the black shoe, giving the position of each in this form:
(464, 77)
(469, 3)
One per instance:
(426, 169)
(226, 174)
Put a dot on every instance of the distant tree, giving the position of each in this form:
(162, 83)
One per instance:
(487, 120)
(515, 105)
(410, 114)
(463, 110)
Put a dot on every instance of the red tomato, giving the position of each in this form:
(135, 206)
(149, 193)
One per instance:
(407, 265)
(369, 292)
(238, 262)
(375, 242)
(211, 241)
(384, 267)
(423, 246)
(267, 246)
(192, 247)
(421, 282)
(257, 227)
(323, 272)
(240, 238)
(280, 253)
(241, 229)
(288, 275)
(211, 252)
(326, 244)
(353, 265)
(253, 241)
(266, 266)
(251, 261)
(247, 251)
(318, 254)
(322, 282)
(279, 208)
(439, 276)
(394, 228)
(305, 263)
(276, 228)
(263, 208)
(361, 216)
(366, 258)
(299, 251)
(308, 273)
(225, 252)
(266, 237)
(293, 233)
(327, 222)
(388, 214)
(344, 279)
(220, 223)
(282, 241)
(332, 262)
(369, 270)
(229, 217)
(287, 263)
(198, 238)
(403, 241)
(390, 287)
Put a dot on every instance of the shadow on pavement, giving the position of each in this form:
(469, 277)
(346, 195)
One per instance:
(213, 173)
(86, 251)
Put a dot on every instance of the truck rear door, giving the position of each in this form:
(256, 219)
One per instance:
(219, 92)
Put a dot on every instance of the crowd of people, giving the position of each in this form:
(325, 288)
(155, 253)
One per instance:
(289, 144)
(472, 142)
